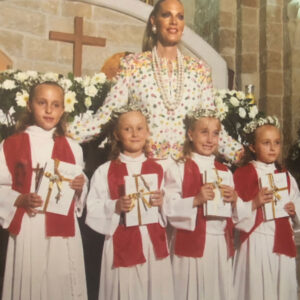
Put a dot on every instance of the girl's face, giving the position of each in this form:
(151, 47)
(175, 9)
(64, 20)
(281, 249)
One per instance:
(169, 22)
(205, 136)
(47, 106)
(267, 144)
(132, 132)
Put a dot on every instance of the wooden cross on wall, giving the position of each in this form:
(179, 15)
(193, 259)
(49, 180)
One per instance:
(78, 39)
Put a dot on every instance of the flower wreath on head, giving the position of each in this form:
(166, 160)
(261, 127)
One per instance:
(253, 125)
(202, 113)
(130, 106)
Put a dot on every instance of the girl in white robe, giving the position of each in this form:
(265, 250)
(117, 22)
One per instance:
(264, 265)
(202, 247)
(135, 260)
(44, 261)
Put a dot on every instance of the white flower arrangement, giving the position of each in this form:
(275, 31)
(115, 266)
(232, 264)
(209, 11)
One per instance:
(83, 96)
(237, 111)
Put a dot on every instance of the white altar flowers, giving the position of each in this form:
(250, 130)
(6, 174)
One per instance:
(83, 95)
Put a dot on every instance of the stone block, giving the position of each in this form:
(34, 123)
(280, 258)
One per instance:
(121, 35)
(228, 5)
(249, 63)
(274, 83)
(274, 106)
(226, 19)
(250, 38)
(70, 9)
(11, 43)
(274, 14)
(38, 49)
(16, 19)
(250, 3)
(48, 7)
(105, 15)
(274, 60)
(274, 36)
(249, 15)
(227, 39)
(274, 2)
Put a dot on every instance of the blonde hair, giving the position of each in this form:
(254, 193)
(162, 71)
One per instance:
(150, 38)
(27, 117)
(190, 123)
(112, 127)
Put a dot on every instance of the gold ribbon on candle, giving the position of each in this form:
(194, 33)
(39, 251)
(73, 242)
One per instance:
(135, 197)
(57, 179)
(275, 191)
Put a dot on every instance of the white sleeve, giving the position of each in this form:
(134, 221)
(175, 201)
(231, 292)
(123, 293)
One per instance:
(243, 210)
(101, 215)
(83, 130)
(180, 211)
(7, 195)
(80, 199)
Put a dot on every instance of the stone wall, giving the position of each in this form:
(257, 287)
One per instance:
(25, 26)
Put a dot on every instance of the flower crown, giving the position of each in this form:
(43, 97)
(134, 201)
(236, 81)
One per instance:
(253, 125)
(204, 113)
(130, 106)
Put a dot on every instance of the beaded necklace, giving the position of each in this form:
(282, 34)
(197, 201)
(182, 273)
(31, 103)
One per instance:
(170, 104)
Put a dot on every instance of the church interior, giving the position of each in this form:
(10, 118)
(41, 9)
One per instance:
(244, 42)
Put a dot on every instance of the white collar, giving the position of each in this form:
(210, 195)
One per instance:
(40, 132)
(263, 166)
(203, 158)
(128, 159)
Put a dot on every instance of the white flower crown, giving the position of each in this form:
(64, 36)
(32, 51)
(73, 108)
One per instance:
(204, 113)
(130, 106)
(253, 125)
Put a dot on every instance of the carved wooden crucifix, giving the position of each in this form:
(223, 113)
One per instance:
(78, 39)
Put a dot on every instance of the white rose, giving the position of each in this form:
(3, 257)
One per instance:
(253, 111)
(242, 112)
(234, 101)
(32, 74)
(8, 84)
(70, 100)
(65, 83)
(218, 100)
(86, 81)
(91, 91)
(240, 95)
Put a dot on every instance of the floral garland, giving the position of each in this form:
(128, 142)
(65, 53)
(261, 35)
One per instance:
(83, 95)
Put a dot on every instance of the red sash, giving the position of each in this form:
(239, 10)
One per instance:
(192, 243)
(246, 183)
(17, 153)
(127, 241)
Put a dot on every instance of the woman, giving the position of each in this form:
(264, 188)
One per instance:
(165, 81)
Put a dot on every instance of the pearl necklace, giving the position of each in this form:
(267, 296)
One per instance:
(170, 104)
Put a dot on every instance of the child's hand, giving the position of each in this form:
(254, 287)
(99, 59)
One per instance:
(263, 196)
(30, 202)
(206, 193)
(123, 204)
(290, 209)
(77, 183)
(228, 194)
(156, 198)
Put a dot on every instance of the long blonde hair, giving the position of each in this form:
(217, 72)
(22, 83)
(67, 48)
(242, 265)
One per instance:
(27, 117)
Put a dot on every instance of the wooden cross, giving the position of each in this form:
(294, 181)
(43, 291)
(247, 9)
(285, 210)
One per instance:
(78, 39)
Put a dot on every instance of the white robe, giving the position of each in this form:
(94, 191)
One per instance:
(260, 274)
(209, 277)
(40, 267)
(151, 280)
